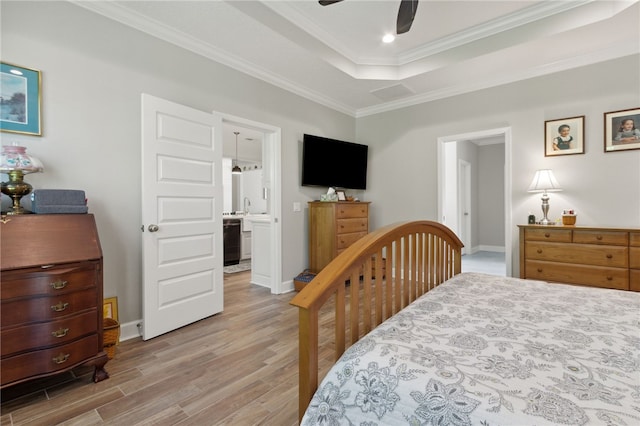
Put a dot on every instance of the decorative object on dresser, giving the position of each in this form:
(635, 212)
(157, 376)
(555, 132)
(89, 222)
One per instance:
(47, 201)
(622, 130)
(21, 100)
(15, 162)
(544, 181)
(334, 226)
(51, 282)
(590, 256)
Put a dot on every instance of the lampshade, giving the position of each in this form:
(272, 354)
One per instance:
(16, 158)
(544, 181)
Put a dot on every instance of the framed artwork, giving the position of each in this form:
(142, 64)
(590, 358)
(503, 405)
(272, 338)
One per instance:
(564, 136)
(621, 130)
(20, 100)
(341, 195)
(110, 308)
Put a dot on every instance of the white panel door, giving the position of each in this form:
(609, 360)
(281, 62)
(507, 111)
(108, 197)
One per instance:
(181, 215)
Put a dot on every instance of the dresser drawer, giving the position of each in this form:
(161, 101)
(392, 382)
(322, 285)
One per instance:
(634, 257)
(634, 280)
(601, 237)
(587, 254)
(42, 335)
(32, 364)
(346, 226)
(634, 239)
(594, 276)
(59, 280)
(548, 234)
(40, 309)
(351, 210)
(345, 240)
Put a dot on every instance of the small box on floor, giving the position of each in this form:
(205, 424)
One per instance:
(303, 279)
(61, 201)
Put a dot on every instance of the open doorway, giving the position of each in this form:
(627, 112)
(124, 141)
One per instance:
(474, 187)
(266, 259)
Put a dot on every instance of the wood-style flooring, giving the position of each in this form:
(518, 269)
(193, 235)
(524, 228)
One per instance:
(239, 367)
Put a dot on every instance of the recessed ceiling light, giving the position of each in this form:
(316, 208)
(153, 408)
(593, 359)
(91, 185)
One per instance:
(388, 38)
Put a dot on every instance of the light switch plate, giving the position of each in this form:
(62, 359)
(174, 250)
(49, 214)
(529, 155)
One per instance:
(296, 206)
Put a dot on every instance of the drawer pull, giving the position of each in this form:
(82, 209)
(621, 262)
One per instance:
(547, 235)
(62, 358)
(61, 332)
(609, 256)
(599, 237)
(59, 307)
(59, 285)
(539, 251)
(539, 269)
(609, 278)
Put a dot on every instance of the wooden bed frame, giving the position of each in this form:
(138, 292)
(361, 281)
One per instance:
(410, 259)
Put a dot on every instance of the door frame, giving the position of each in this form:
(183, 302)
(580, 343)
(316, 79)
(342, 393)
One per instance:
(464, 203)
(504, 132)
(271, 149)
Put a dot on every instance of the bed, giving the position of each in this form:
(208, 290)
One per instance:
(429, 345)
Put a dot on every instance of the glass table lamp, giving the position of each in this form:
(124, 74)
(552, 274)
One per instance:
(15, 162)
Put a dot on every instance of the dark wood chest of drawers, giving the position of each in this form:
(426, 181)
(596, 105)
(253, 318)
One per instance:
(51, 295)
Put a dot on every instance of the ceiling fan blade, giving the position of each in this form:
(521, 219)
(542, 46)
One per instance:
(328, 2)
(406, 13)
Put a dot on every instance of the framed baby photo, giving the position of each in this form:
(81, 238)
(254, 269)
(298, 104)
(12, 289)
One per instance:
(622, 130)
(564, 136)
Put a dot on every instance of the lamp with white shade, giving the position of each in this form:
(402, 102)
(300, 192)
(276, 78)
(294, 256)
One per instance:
(544, 181)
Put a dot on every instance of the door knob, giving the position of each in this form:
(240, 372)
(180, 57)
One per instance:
(153, 228)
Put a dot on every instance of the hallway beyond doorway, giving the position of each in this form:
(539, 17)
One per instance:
(489, 262)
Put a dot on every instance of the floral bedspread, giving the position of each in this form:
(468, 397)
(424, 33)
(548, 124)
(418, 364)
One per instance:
(488, 350)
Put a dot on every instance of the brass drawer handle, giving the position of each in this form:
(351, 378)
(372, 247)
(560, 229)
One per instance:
(58, 285)
(62, 358)
(61, 332)
(59, 307)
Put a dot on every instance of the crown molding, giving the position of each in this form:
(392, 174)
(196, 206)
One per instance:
(612, 52)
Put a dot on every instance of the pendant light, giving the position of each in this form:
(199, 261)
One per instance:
(236, 169)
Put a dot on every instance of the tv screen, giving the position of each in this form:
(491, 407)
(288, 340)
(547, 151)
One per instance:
(330, 162)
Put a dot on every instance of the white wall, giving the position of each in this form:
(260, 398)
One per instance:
(491, 196)
(604, 188)
(93, 73)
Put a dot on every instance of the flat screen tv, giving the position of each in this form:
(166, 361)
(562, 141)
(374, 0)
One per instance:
(330, 162)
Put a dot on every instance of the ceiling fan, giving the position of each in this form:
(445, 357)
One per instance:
(406, 13)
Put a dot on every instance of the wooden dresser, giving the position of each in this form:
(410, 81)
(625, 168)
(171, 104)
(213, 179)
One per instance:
(334, 226)
(51, 292)
(592, 256)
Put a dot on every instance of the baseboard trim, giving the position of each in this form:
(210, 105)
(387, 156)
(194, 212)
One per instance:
(497, 249)
(130, 330)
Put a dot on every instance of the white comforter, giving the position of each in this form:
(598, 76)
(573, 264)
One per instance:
(488, 350)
